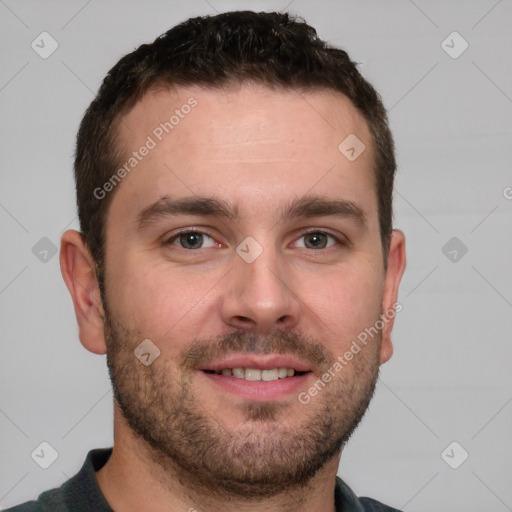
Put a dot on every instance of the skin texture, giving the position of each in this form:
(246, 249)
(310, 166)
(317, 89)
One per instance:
(181, 442)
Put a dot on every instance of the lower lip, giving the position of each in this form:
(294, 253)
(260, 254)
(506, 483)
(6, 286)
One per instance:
(259, 390)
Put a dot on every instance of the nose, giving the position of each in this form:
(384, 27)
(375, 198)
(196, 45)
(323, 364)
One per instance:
(259, 295)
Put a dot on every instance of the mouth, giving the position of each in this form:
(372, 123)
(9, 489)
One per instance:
(255, 374)
(258, 378)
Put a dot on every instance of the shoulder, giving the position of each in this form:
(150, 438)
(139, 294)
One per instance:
(29, 506)
(81, 492)
(371, 505)
(51, 500)
(346, 500)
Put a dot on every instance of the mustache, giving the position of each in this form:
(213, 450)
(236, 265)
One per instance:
(280, 341)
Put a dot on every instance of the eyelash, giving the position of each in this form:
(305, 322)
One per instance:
(170, 240)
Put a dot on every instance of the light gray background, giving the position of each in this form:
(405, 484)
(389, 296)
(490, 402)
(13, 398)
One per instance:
(450, 377)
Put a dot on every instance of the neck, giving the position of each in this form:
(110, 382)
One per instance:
(132, 480)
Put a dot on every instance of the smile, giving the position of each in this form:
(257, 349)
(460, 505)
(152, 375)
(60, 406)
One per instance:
(257, 374)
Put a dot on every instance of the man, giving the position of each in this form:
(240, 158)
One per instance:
(234, 186)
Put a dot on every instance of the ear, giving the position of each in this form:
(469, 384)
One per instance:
(394, 272)
(79, 272)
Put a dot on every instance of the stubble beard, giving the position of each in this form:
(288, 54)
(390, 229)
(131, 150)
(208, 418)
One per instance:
(263, 457)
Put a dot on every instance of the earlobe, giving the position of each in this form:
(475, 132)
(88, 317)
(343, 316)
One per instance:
(390, 305)
(386, 350)
(78, 270)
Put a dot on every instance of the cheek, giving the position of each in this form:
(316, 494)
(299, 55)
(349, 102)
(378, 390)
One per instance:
(347, 303)
(162, 301)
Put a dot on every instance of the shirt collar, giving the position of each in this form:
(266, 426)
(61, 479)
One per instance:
(82, 492)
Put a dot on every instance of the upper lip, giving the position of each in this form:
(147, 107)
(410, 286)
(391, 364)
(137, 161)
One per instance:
(260, 362)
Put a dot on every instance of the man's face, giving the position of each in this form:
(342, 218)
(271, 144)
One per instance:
(295, 294)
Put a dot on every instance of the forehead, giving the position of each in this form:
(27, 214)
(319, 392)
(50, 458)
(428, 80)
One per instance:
(251, 142)
(239, 114)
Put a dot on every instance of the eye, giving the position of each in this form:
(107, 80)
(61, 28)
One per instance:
(319, 240)
(191, 239)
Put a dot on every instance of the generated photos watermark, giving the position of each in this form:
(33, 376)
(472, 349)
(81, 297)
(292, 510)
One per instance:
(357, 345)
(152, 140)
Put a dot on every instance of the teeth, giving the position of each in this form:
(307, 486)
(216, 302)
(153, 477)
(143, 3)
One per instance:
(238, 373)
(257, 374)
(269, 374)
(282, 373)
(252, 374)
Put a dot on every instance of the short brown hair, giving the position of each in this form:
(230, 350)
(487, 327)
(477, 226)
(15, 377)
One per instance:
(270, 48)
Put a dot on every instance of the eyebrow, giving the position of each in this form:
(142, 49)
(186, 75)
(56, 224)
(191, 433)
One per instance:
(304, 207)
